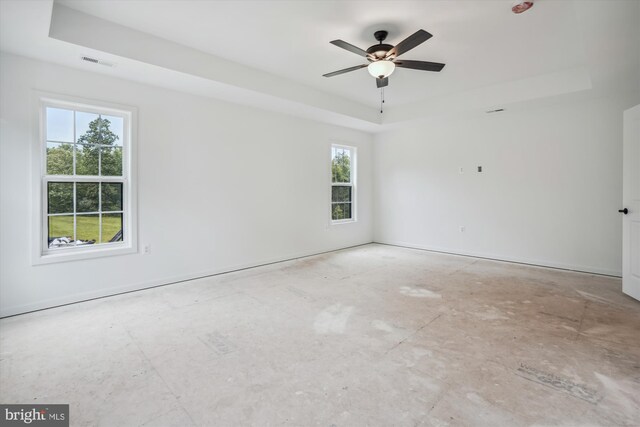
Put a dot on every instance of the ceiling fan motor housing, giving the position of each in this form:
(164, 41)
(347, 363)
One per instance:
(378, 51)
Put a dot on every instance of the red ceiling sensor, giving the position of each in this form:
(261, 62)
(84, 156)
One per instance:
(522, 6)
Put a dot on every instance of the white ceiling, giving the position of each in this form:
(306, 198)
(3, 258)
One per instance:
(492, 55)
(482, 42)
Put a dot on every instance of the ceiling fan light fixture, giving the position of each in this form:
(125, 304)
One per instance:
(381, 69)
(381, 57)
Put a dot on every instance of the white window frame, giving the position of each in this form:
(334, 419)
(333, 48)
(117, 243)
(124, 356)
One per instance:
(41, 252)
(352, 184)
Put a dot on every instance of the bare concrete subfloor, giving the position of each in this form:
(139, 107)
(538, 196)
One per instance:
(374, 335)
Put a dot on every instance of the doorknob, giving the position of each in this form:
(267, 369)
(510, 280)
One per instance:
(624, 211)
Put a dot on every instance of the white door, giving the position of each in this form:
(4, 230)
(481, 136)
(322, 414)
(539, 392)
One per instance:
(631, 202)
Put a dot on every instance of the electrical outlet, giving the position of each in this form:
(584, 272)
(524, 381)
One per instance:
(462, 229)
(479, 168)
(147, 249)
(461, 169)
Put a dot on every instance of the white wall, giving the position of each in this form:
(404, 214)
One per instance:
(220, 187)
(549, 191)
(548, 195)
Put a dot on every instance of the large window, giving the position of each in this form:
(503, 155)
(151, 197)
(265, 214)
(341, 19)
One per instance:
(342, 183)
(85, 185)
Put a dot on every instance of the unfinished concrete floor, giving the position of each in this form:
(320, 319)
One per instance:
(374, 335)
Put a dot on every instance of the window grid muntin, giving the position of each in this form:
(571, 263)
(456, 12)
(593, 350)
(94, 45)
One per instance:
(99, 179)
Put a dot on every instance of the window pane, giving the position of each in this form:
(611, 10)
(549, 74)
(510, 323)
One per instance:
(60, 197)
(83, 131)
(111, 197)
(340, 194)
(116, 125)
(341, 211)
(59, 125)
(87, 159)
(86, 197)
(347, 210)
(87, 229)
(111, 161)
(61, 231)
(59, 159)
(341, 165)
(94, 129)
(112, 228)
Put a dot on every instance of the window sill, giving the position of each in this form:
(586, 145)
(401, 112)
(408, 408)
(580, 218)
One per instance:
(77, 254)
(342, 221)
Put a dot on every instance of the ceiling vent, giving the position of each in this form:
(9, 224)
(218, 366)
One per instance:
(521, 6)
(96, 61)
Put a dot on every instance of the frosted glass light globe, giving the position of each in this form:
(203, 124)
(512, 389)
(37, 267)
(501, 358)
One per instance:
(382, 68)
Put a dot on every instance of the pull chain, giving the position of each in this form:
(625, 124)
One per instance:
(381, 99)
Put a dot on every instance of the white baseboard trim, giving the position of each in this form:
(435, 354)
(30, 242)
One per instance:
(503, 258)
(102, 293)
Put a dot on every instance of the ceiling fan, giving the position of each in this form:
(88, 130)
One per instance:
(383, 58)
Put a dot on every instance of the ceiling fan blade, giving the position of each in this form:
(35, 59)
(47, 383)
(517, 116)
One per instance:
(351, 48)
(382, 82)
(346, 70)
(420, 65)
(409, 43)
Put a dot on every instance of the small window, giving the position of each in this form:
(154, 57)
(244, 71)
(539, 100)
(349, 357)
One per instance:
(85, 186)
(342, 183)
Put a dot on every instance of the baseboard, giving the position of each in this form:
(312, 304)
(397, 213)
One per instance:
(502, 258)
(103, 293)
